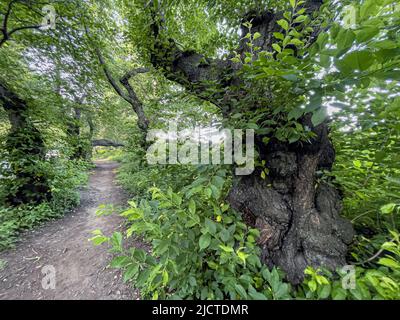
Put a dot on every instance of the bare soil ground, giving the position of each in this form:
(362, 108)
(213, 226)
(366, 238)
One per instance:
(80, 268)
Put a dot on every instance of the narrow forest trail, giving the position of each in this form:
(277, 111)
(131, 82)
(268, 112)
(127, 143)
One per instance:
(80, 268)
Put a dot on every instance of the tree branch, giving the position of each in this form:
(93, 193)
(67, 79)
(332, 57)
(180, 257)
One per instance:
(106, 143)
(23, 28)
(109, 77)
(137, 105)
(198, 73)
(133, 73)
(4, 29)
(131, 97)
(192, 70)
(7, 15)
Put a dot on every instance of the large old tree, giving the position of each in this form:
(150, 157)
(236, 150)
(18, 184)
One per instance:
(299, 219)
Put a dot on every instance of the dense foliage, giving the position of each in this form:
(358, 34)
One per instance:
(208, 63)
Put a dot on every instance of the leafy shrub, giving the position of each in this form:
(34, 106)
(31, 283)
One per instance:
(136, 178)
(66, 177)
(379, 283)
(201, 249)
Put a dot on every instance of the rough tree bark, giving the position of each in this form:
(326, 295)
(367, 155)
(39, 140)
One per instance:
(25, 146)
(299, 219)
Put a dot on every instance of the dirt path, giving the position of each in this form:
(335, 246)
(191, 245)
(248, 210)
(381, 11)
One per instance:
(80, 268)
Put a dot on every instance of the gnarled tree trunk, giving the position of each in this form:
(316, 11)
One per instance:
(298, 217)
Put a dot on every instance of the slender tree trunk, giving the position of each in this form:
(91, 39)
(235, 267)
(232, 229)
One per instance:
(91, 133)
(74, 133)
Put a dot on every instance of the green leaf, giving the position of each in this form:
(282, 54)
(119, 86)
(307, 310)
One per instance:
(300, 18)
(279, 35)
(165, 277)
(256, 35)
(388, 208)
(257, 295)
(241, 291)
(290, 77)
(119, 262)
(226, 248)
(357, 163)
(130, 272)
(98, 240)
(357, 60)
(297, 42)
(345, 39)
(218, 181)
(237, 116)
(385, 44)
(295, 113)
(324, 60)
(224, 235)
(204, 293)
(282, 292)
(339, 293)
(116, 240)
(204, 241)
(324, 291)
(208, 192)
(389, 262)
(242, 256)
(312, 285)
(277, 47)
(210, 226)
(368, 8)
(318, 116)
(283, 23)
(192, 206)
(177, 199)
(367, 33)
(315, 102)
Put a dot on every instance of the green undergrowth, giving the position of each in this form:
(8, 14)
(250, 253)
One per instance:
(202, 249)
(66, 178)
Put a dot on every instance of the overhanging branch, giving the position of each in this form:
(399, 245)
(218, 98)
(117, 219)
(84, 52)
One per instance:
(106, 143)
(130, 95)
(201, 75)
